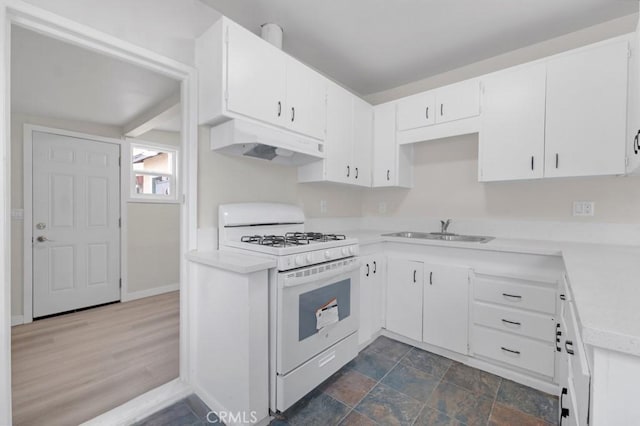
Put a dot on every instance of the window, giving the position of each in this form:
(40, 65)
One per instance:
(154, 174)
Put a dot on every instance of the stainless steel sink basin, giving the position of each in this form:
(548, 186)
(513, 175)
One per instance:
(441, 236)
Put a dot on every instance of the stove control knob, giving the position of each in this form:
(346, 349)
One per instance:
(345, 251)
(352, 251)
(309, 258)
(327, 255)
(299, 260)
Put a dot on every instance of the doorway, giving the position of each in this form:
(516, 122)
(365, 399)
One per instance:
(182, 75)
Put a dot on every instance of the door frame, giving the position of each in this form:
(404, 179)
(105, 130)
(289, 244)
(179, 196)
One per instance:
(27, 188)
(18, 12)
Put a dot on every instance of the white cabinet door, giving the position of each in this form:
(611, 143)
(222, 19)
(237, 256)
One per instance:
(372, 279)
(362, 142)
(367, 290)
(404, 297)
(416, 111)
(513, 116)
(586, 112)
(339, 141)
(457, 101)
(384, 145)
(255, 77)
(306, 100)
(446, 307)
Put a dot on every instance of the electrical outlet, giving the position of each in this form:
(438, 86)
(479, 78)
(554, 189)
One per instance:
(583, 208)
(382, 207)
(323, 206)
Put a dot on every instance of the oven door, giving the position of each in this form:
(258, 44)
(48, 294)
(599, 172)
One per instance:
(331, 291)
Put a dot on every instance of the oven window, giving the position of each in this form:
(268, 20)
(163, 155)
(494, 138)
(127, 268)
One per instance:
(311, 301)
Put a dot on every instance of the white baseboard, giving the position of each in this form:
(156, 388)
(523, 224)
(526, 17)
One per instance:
(17, 320)
(150, 292)
(144, 405)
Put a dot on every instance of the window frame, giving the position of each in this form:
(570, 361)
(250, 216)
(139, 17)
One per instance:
(174, 177)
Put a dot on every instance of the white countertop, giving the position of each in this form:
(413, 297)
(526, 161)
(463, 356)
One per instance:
(230, 261)
(604, 281)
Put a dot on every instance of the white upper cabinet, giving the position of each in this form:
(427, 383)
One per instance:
(457, 101)
(417, 111)
(449, 103)
(241, 75)
(306, 92)
(362, 142)
(348, 141)
(256, 82)
(513, 118)
(339, 142)
(587, 111)
(392, 164)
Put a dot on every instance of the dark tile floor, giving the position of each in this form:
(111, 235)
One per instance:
(190, 411)
(391, 383)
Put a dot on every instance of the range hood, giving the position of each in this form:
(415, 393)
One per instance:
(249, 139)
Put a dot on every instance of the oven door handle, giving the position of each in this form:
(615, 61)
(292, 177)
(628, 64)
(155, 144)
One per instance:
(292, 281)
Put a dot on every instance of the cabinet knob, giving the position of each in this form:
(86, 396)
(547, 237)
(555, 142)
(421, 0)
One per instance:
(441, 110)
(279, 108)
(431, 278)
(293, 114)
(356, 173)
(427, 112)
(388, 174)
(557, 158)
(532, 162)
(375, 267)
(367, 274)
(414, 276)
(348, 171)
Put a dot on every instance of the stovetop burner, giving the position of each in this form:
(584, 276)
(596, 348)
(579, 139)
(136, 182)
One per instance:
(291, 239)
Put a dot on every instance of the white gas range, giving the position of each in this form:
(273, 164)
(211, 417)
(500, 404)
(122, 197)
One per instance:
(313, 294)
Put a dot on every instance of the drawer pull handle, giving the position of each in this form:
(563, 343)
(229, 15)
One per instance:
(510, 350)
(511, 322)
(568, 343)
(327, 360)
(512, 296)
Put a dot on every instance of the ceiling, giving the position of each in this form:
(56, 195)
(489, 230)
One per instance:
(50, 78)
(374, 45)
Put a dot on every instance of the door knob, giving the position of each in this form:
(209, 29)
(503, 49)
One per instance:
(42, 239)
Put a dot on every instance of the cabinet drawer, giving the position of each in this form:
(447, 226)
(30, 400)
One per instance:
(514, 350)
(516, 295)
(516, 321)
(293, 386)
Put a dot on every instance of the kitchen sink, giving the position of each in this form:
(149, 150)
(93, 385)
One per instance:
(440, 236)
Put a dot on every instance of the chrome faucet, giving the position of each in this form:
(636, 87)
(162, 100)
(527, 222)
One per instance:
(444, 226)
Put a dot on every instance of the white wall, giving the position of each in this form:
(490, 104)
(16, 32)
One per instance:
(153, 255)
(446, 186)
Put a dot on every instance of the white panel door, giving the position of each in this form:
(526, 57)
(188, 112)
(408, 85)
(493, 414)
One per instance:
(339, 142)
(457, 101)
(417, 111)
(512, 135)
(256, 76)
(306, 100)
(362, 141)
(587, 112)
(76, 208)
(446, 307)
(404, 297)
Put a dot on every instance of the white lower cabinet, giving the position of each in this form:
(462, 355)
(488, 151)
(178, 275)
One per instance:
(404, 297)
(372, 281)
(514, 322)
(445, 309)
